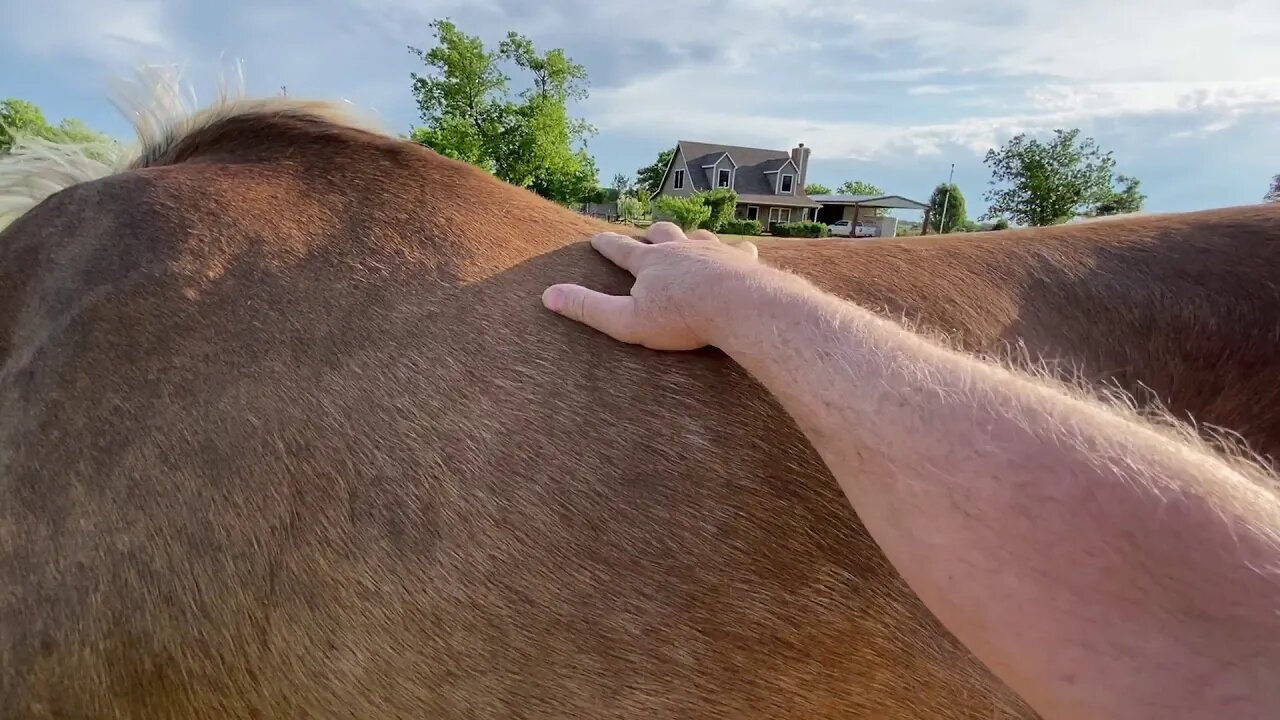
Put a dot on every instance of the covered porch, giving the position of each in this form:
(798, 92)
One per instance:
(771, 209)
(862, 208)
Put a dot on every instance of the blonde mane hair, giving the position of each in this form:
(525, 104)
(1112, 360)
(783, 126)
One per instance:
(162, 113)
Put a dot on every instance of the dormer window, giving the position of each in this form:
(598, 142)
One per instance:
(722, 179)
(787, 184)
(679, 180)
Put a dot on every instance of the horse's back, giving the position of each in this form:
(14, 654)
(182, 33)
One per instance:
(271, 452)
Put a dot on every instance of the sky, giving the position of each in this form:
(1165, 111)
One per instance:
(1186, 93)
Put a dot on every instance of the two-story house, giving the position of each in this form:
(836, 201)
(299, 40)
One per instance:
(769, 183)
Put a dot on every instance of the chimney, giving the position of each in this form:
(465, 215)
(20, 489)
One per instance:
(800, 156)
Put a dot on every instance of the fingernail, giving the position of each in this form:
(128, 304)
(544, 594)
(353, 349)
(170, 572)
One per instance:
(553, 299)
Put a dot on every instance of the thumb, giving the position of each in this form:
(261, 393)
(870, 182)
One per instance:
(612, 315)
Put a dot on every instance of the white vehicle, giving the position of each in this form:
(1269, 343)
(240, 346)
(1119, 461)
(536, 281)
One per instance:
(845, 228)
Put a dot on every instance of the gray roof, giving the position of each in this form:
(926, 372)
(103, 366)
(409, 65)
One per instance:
(875, 201)
(750, 178)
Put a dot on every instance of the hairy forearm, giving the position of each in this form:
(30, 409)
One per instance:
(1101, 567)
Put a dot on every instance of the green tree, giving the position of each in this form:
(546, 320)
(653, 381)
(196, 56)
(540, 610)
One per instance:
(816, 189)
(463, 98)
(629, 208)
(1047, 183)
(555, 75)
(468, 113)
(22, 118)
(1273, 195)
(947, 209)
(687, 212)
(539, 136)
(621, 183)
(859, 187)
(1000, 224)
(721, 202)
(649, 177)
(1127, 199)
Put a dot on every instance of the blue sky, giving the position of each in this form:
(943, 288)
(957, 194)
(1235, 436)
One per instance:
(1185, 92)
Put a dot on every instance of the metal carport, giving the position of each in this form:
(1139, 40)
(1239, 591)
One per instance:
(837, 207)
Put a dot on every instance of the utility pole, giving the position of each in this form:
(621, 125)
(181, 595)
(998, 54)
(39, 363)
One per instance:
(946, 202)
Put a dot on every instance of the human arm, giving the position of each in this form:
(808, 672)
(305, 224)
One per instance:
(1100, 566)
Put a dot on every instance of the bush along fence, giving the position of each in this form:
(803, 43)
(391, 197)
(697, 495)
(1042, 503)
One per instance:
(799, 230)
(737, 226)
(713, 210)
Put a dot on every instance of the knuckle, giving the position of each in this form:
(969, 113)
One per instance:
(576, 306)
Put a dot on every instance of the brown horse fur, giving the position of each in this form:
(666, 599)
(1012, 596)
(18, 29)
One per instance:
(285, 432)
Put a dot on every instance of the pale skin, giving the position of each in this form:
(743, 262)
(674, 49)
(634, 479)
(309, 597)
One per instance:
(1102, 567)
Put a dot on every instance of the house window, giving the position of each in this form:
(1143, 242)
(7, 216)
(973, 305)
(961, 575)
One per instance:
(779, 215)
(679, 181)
(788, 182)
(753, 212)
(722, 179)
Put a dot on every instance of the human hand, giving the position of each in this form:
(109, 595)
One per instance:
(679, 279)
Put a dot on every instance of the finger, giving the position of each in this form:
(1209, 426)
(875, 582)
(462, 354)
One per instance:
(612, 315)
(664, 232)
(749, 248)
(621, 249)
(703, 236)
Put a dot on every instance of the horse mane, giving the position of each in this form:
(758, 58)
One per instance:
(164, 119)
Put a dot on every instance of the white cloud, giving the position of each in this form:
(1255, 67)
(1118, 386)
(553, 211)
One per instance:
(856, 79)
(1019, 66)
(112, 32)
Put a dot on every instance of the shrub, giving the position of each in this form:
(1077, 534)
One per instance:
(800, 230)
(629, 209)
(735, 226)
(1001, 224)
(722, 202)
(687, 212)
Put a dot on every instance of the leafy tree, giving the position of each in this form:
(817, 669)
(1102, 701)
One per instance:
(600, 195)
(22, 118)
(946, 209)
(539, 136)
(629, 208)
(1127, 199)
(1047, 183)
(621, 183)
(816, 189)
(649, 177)
(721, 202)
(859, 187)
(1000, 224)
(463, 99)
(469, 114)
(555, 75)
(1273, 195)
(687, 212)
